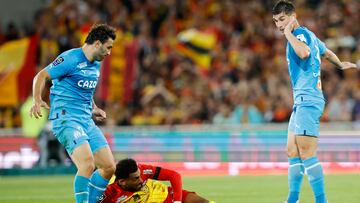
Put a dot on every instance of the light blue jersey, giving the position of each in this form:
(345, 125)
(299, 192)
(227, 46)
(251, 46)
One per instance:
(305, 74)
(74, 80)
(306, 82)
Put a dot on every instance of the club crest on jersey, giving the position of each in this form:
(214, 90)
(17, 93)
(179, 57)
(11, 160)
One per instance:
(302, 38)
(58, 61)
(82, 65)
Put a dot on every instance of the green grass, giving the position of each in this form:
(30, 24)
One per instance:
(223, 189)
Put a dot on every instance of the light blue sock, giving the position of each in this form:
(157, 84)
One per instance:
(97, 186)
(316, 178)
(295, 177)
(81, 188)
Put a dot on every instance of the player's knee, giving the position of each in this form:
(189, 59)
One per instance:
(87, 166)
(108, 170)
(306, 153)
(291, 152)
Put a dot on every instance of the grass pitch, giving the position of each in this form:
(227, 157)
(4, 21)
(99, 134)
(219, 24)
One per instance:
(222, 189)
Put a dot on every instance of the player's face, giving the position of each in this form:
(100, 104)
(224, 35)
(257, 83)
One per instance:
(134, 181)
(281, 20)
(103, 49)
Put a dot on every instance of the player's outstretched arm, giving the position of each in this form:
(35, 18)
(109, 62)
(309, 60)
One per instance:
(343, 65)
(38, 87)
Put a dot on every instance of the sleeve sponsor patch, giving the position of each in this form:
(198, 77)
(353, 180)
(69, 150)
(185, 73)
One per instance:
(147, 172)
(302, 38)
(58, 61)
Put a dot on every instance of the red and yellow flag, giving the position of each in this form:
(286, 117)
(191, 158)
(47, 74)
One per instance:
(17, 69)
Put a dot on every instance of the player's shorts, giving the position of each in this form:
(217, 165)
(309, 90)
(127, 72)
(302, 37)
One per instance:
(305, 117)
(170, 197)
(73, 133)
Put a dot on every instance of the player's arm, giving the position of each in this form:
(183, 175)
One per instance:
(331, 56)
(38, 87)
(174, 178)
(301, 49)
(60, 67)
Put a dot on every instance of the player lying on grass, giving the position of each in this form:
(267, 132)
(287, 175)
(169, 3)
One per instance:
(137, 183)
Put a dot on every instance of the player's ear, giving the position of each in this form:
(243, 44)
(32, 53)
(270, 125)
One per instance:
(97, 43)
(121, 182)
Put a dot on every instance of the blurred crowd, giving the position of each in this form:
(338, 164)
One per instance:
(247, 81)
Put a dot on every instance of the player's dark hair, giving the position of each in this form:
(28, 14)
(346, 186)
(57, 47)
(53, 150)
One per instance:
(124, 168)
(283, 6)
(101, 32)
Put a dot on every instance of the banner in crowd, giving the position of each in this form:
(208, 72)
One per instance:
(17, 69)
(197, 46)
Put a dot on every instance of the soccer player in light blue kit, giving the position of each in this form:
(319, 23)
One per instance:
(303, 54)
(74, 75)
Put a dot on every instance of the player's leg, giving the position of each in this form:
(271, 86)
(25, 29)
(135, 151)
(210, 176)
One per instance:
(307, 141)
(104, 161)
(194, 198)
(84, 161)
(296, 168)
(72, 136)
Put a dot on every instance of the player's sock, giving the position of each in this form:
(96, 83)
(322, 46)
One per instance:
(81, 188)
(316, 178)
(97, 186)
(295, 177)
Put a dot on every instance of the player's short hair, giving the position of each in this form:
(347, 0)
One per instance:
(283, 6)
(101, 32)
(124, 168)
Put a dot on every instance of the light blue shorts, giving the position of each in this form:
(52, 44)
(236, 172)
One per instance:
(305, 117)
(72, 133)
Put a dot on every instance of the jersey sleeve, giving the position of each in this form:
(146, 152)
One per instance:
(175, 180)
(149, 171)
(61, 66)
(322, 47)
(303, 36)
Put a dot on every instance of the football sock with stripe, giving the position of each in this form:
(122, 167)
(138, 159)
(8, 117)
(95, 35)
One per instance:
(97, 186)
(315, 175)
(81, 188)
(295, 177)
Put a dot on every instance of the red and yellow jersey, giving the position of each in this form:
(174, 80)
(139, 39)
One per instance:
(152, 191)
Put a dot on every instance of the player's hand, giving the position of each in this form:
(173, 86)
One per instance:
(291, 25)
(99, 114)
(347, 65)
(35, 109)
